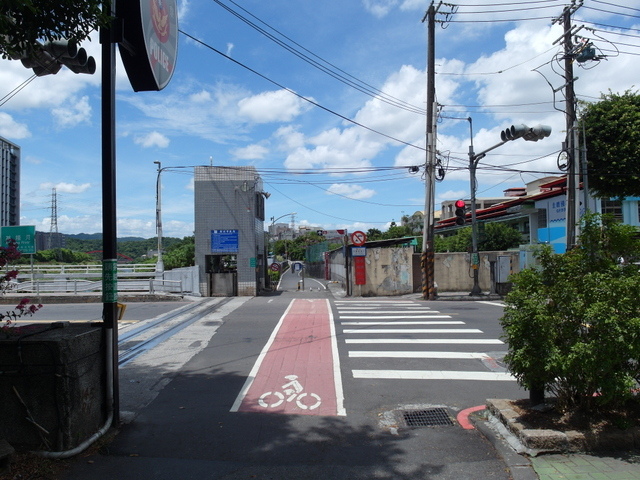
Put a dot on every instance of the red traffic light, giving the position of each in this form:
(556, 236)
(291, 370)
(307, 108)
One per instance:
(460, 204)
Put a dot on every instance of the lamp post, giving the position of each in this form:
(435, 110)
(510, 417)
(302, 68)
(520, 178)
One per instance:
(159, 263)
(274, 220)
(514, 132)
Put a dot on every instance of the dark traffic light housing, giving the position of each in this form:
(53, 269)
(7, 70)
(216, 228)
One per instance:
(49, 58)
(461, 212)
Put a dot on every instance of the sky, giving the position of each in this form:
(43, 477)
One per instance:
(325, 99)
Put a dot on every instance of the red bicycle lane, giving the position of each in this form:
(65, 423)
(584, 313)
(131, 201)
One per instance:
(298, 370)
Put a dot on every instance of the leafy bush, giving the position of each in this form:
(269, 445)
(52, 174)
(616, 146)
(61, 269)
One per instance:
(573, 324)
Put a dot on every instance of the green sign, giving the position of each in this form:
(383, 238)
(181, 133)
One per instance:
(253, 262)
(109, 281)
(24, 236)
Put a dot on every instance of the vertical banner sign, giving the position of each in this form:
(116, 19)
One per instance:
(360, 268)
(109, 281)
(359, 255)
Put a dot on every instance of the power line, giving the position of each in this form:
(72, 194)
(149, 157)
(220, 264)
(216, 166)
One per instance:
(321, 64)
(302, 97)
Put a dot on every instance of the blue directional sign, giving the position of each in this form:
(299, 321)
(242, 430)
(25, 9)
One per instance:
(224, 241)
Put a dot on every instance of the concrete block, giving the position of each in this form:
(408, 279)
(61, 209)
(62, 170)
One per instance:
(52, 386)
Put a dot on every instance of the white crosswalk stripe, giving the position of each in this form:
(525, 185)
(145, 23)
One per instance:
(361, 322)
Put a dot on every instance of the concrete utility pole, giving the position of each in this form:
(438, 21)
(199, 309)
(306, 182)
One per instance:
(428, 251)
(571, 145)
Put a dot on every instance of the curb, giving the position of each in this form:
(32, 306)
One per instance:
(519, 466)
(537, 441)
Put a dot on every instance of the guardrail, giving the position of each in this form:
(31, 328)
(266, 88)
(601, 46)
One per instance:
(79, 286)
(130, 269)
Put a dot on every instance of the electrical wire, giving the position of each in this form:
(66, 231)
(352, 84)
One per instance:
(321, 64)
(302, 97)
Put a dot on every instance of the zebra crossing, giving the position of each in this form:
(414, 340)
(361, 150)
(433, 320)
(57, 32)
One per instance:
(404, 340)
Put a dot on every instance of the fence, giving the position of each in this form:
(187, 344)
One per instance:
(78, 279)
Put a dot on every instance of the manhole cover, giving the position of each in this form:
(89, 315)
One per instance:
(432, 417)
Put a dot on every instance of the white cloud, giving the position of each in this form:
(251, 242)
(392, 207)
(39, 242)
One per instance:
(73, 112)
(356, 192)
(152, 139)
(379, 8)
(12, 130)
(250, 152)
(63, 187)
(274, 106)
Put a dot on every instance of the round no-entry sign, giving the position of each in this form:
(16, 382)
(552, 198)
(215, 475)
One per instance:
(275, 267)
(358, 238)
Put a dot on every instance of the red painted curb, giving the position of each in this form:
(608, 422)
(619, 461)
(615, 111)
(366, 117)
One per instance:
(463, 416)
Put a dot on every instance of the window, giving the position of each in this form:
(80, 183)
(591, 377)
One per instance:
(612, 207)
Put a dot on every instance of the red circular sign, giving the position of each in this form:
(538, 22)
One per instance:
(275, 267)
(358, 238)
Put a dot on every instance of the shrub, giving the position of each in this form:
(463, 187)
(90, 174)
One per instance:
(573, 324)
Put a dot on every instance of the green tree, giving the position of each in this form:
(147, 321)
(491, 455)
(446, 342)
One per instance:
(612, 133)
(573, 325)
(498, 236)
(23, 22)
(181, 254)
(374, 234)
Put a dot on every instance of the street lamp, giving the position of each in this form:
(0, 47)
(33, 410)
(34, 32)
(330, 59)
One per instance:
(514, 132)
(159, 263)
(273, 222)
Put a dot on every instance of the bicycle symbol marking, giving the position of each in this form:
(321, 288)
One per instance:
(293, 390)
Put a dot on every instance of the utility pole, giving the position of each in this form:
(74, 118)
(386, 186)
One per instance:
(427, 262)
(571, 144)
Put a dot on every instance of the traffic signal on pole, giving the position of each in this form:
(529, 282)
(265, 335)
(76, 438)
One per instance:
(537, 133)
(49, 58)
(532, 134)
(461, 212)
(513, 132)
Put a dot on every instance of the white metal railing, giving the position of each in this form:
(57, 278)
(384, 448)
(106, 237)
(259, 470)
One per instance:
(131, 269)
(79, 286)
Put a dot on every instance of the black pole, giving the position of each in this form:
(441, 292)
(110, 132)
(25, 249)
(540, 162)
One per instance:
(109, 235)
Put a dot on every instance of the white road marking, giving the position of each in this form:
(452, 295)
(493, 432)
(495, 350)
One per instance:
(392, 354)
(437, 322)
(350, 317)
(460, 341)
(369, 312)
(412, 330)
(432, 375)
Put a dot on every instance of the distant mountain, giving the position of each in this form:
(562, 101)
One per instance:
(98, 236)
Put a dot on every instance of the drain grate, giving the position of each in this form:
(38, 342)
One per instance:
(432, 417)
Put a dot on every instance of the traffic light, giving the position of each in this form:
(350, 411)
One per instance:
(49, 58)
(461, 212)
(532, 134)
(513, 132)
(537, 133)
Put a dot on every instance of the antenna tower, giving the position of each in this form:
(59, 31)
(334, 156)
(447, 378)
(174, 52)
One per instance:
(53, 231)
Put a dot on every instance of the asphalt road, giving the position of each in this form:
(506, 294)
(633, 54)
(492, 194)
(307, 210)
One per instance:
(190, 430)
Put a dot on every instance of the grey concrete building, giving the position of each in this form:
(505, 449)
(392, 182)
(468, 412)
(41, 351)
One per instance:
(9, 183)
(229, 230)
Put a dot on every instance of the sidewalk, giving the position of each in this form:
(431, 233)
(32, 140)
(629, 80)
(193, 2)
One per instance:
(622, 466)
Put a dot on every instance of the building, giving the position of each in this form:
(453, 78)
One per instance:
(539, 212)
(229, 231)
(9, 183)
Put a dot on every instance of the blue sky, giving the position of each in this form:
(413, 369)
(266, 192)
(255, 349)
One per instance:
(311, 148)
